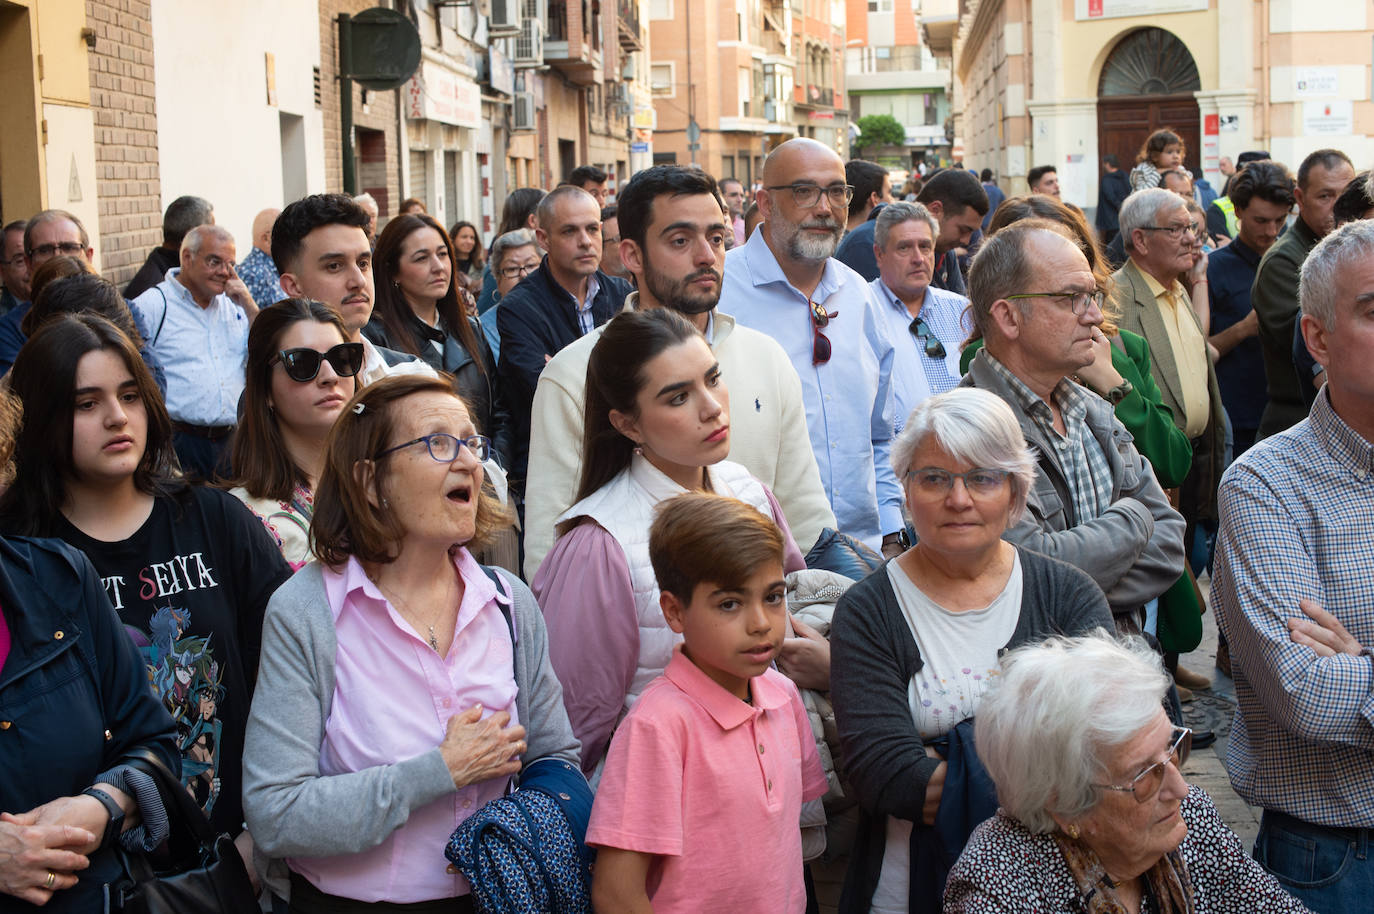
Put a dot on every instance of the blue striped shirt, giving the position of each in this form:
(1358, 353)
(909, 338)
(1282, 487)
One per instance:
(916, 375)
(1297, 523)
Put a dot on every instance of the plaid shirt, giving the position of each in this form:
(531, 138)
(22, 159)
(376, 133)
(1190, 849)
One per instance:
(1297, 522)
(1079, 455)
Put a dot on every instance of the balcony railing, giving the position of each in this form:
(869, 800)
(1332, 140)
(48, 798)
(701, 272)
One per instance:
(627, 13)
(819, 96)
(556, 28)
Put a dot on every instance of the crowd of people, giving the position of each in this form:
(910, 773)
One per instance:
(817, 525)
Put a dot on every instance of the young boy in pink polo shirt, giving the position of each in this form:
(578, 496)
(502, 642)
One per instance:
(698, 805)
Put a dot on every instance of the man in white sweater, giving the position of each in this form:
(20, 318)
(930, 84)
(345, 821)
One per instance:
(672, 233)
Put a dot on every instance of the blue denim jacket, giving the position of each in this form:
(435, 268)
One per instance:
(74, 692)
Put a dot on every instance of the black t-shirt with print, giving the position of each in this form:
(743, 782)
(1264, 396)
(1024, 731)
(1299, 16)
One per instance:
(191, 586)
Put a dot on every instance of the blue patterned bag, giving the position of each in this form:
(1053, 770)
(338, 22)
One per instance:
(527, 852)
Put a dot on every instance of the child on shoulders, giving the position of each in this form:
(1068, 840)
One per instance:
(698, 805)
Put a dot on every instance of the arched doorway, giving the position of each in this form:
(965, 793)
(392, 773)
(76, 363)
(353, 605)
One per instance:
(1147, 83)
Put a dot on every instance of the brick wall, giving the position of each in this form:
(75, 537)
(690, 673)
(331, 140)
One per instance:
(380, 114)
(128, 186)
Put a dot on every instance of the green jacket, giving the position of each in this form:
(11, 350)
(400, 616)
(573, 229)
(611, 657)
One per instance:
(1143, 412)
(1274, 297)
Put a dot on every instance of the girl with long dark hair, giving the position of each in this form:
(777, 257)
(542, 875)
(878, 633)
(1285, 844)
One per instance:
(468, 255)
(188, 568)
(657, 424)
(301, 372)
(418, 311)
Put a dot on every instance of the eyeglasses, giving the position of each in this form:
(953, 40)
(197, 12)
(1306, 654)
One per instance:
(69, 248)
(919, 329)
(820, 343)
(521, 271)
(304, 364)
(808, 195)
(444, 448)
(216, 262)
(1145, 786)
(934, 482)
(1174, 231)
(1078, 301)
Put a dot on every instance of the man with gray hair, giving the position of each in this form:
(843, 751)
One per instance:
(197, 319)
(182, 215)
(1095, 503)
(926, 325)
(1291, 588)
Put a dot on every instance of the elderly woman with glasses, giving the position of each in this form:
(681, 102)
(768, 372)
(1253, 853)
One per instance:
(514, 256)
(914, 646)
(1095, 814)
(402, 685)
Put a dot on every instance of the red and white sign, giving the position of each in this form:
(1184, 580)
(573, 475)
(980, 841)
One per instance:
(437, 94)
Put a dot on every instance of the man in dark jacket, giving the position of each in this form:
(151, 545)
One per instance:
(566, 297)
(1113, 189)
(183, 214)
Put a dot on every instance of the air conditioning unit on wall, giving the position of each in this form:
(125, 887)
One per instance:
(504, 18)
(524, 115)
(529, 44)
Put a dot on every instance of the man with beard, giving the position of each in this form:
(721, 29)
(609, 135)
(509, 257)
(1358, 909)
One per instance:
(785, 282)
(672, 240)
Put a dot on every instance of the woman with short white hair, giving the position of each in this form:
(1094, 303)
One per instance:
(915, 645)
(1095, 814)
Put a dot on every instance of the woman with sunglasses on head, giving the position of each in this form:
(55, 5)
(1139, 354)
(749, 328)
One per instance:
(403, 685)
(657, 424)
(914, 646)
(301, 372)
(419, 311)
(1095, 813)
(188, 568)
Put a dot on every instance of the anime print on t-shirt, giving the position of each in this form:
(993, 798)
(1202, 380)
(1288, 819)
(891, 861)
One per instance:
(186, 677)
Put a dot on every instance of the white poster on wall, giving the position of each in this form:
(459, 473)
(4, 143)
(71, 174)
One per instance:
(1332, 118)
(1316, 82)
(1116, 9)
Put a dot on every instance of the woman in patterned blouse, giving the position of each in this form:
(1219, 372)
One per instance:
(1095, 814)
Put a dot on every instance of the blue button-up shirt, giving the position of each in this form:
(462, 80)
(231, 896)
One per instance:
(202, 350)
(260, 275)
(849, 405)
(916, 375)
(1240, 372)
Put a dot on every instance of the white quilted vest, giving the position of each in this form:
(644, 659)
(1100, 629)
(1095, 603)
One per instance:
(624, 507)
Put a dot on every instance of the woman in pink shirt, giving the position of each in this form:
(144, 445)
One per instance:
(402, 685)
(657, 424)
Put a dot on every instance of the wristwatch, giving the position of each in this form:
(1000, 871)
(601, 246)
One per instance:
(1119, 392)
(116, 823)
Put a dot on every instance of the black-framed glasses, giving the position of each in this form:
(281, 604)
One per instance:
(937, 482)
(1174, 231)
(921, 330)
(67, 248)
(1146, 785)
(444, 448)
(1078, 301)
(304, 364)
(821, 349)
(522, 271)
(807, 195)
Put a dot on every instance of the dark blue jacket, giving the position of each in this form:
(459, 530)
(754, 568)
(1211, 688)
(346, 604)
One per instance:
(536, 319)
(856, 250)
(72, 676)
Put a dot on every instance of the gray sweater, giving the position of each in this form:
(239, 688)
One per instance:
(291, 809)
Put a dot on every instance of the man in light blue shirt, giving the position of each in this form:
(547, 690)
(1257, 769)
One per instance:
(926, 325)
(198, 321)
(784, 282)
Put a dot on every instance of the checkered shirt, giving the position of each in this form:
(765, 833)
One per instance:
(1076, 450)
(1297, 522)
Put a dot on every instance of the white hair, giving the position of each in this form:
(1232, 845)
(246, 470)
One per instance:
(1335, 254)
(975, 427)
(894, 214)
(195, 239)
(1060, 707)
(1141, 210)
(367, 200)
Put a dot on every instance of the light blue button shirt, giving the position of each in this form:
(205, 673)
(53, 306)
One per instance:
(849, 404)
(202, 350)
(916, 375)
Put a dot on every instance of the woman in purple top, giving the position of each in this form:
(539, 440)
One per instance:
(657, 424)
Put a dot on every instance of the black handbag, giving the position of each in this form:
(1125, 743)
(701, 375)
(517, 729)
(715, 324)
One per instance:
(195, 871)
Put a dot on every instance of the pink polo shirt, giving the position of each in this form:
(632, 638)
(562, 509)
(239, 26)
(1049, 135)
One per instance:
(713, 787)
(393, 697)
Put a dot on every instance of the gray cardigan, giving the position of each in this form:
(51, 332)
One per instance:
(1134, 549)
(290, 808)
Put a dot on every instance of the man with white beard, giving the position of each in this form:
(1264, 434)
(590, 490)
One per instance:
(785, 283)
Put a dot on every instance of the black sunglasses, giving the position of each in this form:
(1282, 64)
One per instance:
(934, 348)
(820, 343)
(304, 364)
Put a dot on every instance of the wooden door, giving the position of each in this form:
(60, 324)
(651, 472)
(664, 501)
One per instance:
(1125, 123)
